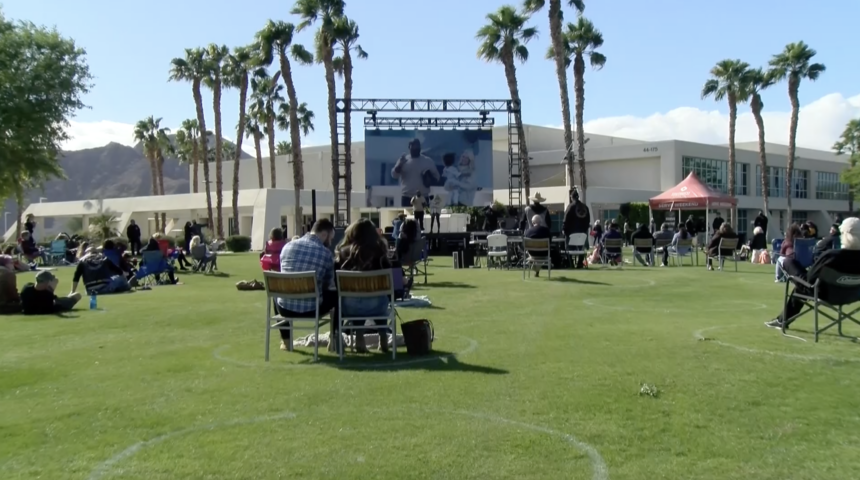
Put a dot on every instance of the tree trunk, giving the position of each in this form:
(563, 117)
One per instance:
(793, 86)
(733, 120)
(195, 160)
(579, 91)
(204, 145)
(561, 74)
(332, 123)
(153, 171)
(756, 106)
(219, 142)
(160, 172)
(511, 77)
(270, 136)
(19, 212)
(240, 135)
(295, 137)
(259, 152)
(347, 129)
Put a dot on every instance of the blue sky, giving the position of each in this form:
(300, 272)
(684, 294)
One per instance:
(659, 54)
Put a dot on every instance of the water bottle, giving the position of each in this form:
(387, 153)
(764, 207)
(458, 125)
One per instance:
(93, 302)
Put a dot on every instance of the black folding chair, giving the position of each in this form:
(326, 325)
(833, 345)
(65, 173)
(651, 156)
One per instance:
(833, 290)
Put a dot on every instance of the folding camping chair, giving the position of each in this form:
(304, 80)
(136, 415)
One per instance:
(536, 245)
(803, 251)
(416, 259)
(153, 269)
(841, 291)
(727, 244)
(371, 284)
(293, 286)
(497, 249)
(57, 252)
(576, 246)
(201, 262)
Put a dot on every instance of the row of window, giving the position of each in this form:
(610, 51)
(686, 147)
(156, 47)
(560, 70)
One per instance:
(715, 174)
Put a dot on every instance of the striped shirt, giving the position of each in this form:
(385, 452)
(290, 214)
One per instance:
(304, 255)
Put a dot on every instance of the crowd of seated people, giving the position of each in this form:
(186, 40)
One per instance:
(612, 255)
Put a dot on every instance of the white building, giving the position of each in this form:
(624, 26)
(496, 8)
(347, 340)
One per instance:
(619, 170)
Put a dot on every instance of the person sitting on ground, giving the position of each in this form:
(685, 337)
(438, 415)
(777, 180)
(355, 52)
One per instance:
(30, 250)
(787, 249)
(362, 250)
(673, 247)
(82, 251)
(270, 257)
(10, 302)
(829, 242)
(538, 231)
(8, 260)
(612, 254)
(643, 233)
(101, 276)
(724, 231)
(310, 253)
(40, 299)
(846, 261)
(409, 234)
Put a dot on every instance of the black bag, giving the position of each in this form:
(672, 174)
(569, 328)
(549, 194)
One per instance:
(418, 336)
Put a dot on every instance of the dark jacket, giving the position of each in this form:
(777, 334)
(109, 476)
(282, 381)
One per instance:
(133, 232)
(691, 226)
(612, 234)
(96, 271)
(29, 246)
(37, 302)
(532, 210)
(538, 233)
(827, 243)
(843, 261)
(718, 222)
(643, 233)
(491, 219)
(760, 221)
(759, 242)
(577, 219)
(714, 244)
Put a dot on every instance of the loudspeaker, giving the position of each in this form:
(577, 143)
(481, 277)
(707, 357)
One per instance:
(456, 257)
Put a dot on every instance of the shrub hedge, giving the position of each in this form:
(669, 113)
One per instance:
(239, 243)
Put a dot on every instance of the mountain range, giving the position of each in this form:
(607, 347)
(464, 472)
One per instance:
(111, 171)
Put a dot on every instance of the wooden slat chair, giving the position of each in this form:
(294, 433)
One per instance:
(497, 249)
(536, 245)
(682, 245)
(615, 244)
(376, 283)
(576, 247)
(726, 245)
(293, 286)
(842, 291)
(644, 244)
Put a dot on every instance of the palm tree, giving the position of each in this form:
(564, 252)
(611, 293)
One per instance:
(793, 64)
(275, 40)
(326, 12)
(217, 55)
(306, 125)
(283, 148)
(726, 83)
(556, 18)
(194, 68)
(849, 143)
(346, 35)
(254, 128)
(581, 40)
(755, 80)
(188, 148)
(504, 40)
(155, 143)
(267, 94)
(236, 69)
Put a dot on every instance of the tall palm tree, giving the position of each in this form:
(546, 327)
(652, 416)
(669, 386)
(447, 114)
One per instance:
(325, 12)
(793, 64)
(188, 147)
(275, 41)
(556, 18)
(237, 66)
(726, 83)
(581, 39)
(346, 37)
(283, 148)
(306, 125)
(215, 81)
(254, 124)
(755, 80)
(267, 95)
(504, 40)
(155, 143)
(849, 143)
(194, 68)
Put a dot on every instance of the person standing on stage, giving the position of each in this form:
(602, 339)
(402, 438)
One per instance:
(415, 171)
(418, 203)
(435, 212)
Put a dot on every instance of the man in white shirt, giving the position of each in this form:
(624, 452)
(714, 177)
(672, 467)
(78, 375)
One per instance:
(435, 212)
(412, 171)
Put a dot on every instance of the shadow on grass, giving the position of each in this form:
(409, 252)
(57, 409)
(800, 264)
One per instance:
(577, 280)
(444, 285)
(438, 361)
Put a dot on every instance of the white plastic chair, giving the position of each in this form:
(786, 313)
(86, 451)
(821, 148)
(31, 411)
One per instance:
(531, 245)
(293, 286)
(682, 246)
(497, 248)
(576, 246)
(376, 283)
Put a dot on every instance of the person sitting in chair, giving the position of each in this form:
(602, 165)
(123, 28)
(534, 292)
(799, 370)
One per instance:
(829, 242)
(211, 257)
(845, 260)
(538, 231)
(723, 231)
(682, 234)
(40, 299)
(409, 234)
(642, 233)
(612, 254)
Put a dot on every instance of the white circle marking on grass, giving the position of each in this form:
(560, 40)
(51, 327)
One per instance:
(106, 466)
(473, 345)
(699, 335)
(598, 464)
(741, 305)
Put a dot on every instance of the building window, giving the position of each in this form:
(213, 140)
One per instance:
(715, 173)
(798, 217)
(611, 215)
(776, 182)
(372, 216)
(743, 220)
(800, 183)
(828, 187)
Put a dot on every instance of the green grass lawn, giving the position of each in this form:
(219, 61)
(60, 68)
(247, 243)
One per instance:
(543, 382)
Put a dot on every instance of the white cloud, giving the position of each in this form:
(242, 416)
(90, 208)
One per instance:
(98, 134)
(821, 122)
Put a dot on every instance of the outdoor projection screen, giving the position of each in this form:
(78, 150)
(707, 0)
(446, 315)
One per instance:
(456, 165)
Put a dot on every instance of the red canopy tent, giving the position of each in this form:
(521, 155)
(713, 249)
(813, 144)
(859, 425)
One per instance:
(691, 194)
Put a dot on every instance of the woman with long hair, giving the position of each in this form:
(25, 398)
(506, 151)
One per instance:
(786, 251)
(363, 250)
(725, 231)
